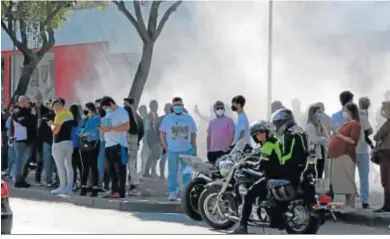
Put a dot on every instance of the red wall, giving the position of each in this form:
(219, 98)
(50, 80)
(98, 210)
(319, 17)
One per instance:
(72, 64)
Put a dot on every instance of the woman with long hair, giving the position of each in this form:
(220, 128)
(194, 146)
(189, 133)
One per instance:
(76, 161)
(317, 136)
(342, 152)
(89, 134)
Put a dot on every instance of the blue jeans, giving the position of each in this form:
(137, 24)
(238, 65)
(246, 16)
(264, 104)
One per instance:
(22, 155)
(363, 164)
(11, 160)
(48, 162)
(173, 163)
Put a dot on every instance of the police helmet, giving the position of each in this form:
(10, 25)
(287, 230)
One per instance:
(260, 126)
(282, 120)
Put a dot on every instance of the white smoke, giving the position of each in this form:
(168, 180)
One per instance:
(219, 49)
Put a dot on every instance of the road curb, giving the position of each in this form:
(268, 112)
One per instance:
(128, 205)
(370, 219)
(155, 205)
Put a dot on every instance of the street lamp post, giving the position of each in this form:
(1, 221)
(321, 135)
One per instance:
(269, 90)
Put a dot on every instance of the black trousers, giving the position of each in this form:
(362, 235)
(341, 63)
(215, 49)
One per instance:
(90, 163)
(213, 156)
(258, 189)
(76, 164)
(117, 169)
(37, 154)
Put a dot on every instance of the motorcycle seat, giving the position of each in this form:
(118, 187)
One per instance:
(273, 183)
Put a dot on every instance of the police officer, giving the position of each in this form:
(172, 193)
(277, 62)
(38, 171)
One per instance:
(261, 133)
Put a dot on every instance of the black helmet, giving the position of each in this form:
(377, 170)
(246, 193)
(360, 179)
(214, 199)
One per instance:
(260, 126)
(282, 120)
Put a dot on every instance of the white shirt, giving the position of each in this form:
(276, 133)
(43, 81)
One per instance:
(362, 147)
(20, 132)
(116, 118)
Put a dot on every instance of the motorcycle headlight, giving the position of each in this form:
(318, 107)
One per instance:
(225, 167)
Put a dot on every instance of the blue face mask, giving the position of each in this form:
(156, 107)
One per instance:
(108, 111)
(319, 116)
(178, 109)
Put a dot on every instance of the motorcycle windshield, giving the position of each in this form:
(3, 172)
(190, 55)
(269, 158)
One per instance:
(239, 147)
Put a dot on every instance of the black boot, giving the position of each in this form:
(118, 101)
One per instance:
(83, 191)
(242, 229)
(386, 205)
(95, 192)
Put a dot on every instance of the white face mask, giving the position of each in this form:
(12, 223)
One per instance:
(220, 112)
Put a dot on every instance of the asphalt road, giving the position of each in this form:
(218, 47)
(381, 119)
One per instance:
(32, 217)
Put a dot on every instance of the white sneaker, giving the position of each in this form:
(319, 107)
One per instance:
(135, 192)
(58, 191)
(172, 197)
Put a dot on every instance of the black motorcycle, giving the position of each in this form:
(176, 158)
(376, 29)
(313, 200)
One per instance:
(285, 208)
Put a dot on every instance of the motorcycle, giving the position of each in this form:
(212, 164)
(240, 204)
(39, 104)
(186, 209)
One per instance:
(285, 208)
(205, 173)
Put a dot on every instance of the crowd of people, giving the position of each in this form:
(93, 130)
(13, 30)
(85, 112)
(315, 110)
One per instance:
(94, 148)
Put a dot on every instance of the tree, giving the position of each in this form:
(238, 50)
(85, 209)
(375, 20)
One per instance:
(148, 35)
(27, 21)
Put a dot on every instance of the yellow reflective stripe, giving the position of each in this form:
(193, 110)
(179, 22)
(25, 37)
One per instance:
(267, 148)
(287, 157)
(278, 152)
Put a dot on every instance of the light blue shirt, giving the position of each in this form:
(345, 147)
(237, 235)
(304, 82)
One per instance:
(179, 129)
(338, 119)
(242, 124)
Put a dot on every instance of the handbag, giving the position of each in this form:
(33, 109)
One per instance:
(375, 155)
(85, 145)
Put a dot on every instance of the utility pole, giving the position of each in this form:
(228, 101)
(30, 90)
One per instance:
(270, 38)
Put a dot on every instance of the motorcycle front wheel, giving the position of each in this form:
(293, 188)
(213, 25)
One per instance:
(191, 196)
(210, 214)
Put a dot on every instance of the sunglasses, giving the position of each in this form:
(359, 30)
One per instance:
(219, 108)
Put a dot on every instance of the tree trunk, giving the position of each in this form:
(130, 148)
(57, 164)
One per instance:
(142, 72)
(24, 80)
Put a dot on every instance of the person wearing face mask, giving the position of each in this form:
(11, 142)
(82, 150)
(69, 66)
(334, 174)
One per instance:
(88, 132)
(317, 137)
(342, 152)
(380, 120)
(340, 117)
(178, 137)
(220, 133)
(104, 175)
(242, 123)
(115, 128)
(363, 150)
(76, 160)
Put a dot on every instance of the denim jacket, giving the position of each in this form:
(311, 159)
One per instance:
(91, 126)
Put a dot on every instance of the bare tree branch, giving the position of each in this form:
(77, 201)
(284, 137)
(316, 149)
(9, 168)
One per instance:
(153, 15)
(122, 8)
(165, 18)
(12, 35)
(140, 19)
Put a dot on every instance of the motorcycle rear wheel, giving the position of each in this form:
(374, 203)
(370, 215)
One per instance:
(312, 227)
(208, 195)
(191, 197)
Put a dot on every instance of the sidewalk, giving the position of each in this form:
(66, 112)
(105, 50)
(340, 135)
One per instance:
(366, 216)
(154, 199)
